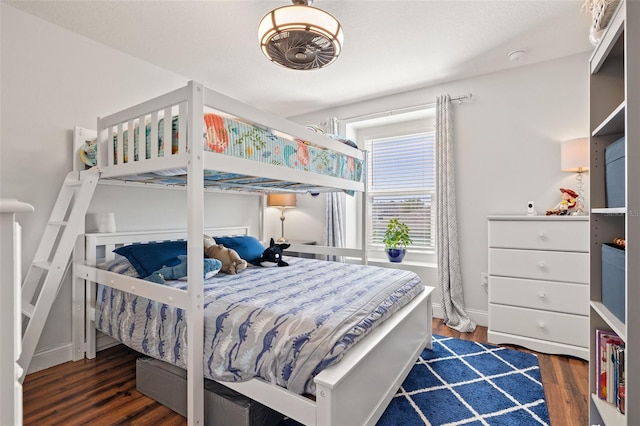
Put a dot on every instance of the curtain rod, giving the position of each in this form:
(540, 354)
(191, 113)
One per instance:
(405, 109)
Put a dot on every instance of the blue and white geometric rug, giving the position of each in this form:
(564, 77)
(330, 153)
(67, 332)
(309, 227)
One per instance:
(467, 383)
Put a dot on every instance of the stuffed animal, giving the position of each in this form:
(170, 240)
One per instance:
(208, 241)
(565, 205)
(232, 263)
(211, 267)
(620, 242)
(272, 255)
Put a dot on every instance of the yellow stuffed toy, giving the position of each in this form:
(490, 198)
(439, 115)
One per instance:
(565, 206)
(232, 263)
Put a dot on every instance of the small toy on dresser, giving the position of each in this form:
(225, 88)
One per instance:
(566, 204)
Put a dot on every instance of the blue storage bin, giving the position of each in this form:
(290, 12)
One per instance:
(615, 173)
(613, 272)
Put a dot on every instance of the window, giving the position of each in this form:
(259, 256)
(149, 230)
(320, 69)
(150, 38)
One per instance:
(401, 182)
(401, 179)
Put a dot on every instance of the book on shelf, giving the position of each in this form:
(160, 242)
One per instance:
(610, 385)
(621, 381)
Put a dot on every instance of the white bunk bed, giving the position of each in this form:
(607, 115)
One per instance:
(355, 390)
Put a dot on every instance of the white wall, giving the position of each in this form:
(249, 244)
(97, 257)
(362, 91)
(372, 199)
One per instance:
(507, 149)
(53, 80)
(304, 223)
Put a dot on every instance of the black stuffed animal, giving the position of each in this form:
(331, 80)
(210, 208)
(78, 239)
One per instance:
(272, 255)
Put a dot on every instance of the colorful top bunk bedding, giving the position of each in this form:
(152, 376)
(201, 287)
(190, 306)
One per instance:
(233, 137)
(282, 324)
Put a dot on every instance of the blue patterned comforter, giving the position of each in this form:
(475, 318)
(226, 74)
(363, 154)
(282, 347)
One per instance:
(281, 324)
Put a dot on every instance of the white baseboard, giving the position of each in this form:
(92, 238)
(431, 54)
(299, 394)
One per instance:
(56, 356)
(479, 317)
(50, 357)
(104, 341)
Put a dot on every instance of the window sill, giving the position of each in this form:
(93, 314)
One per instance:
(399, 265)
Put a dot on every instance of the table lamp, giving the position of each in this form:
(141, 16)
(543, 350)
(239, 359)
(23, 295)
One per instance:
(281, 201)
(574, 157)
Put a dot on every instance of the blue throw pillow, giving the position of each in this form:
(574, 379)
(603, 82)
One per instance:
(148, 258)
(248, 247)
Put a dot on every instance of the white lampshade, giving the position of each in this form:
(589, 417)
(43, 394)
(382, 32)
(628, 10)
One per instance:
(300, 37)
(574, 155)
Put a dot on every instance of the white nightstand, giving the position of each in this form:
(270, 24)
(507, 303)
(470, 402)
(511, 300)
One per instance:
(539, 283)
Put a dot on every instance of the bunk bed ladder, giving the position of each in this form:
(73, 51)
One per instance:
(52, 259)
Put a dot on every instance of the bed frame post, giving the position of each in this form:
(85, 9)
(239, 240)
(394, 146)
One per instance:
(90, 258)
(78, 329)
(365, 212)
(195, 250)
(262, 201)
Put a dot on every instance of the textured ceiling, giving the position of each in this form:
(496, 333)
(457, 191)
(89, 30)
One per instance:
(390, 46)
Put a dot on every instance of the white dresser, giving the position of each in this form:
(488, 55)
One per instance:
(539, 283)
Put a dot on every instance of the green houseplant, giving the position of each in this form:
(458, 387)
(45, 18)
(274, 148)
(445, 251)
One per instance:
(396, 240)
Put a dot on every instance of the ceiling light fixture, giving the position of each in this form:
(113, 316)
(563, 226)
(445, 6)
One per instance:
(300, 37)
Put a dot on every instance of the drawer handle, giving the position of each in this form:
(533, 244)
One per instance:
(542, 295)
(542, 266)
(541, 325)
(542, 235)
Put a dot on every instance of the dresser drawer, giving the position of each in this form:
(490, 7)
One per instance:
(540, 265)
(552, 326)
(569, 235)
(545, 295)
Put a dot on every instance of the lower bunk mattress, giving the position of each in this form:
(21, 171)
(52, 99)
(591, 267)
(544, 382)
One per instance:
(282, 324)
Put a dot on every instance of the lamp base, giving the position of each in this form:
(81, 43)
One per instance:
(282, 240)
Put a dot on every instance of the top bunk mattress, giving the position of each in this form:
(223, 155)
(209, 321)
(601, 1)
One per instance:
(281, 324)
(232, 137)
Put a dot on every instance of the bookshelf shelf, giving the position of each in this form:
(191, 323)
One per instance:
(610, 415)
(614, 104)
(613, 124)
(607, 48)
(611, 320)
(617, 211)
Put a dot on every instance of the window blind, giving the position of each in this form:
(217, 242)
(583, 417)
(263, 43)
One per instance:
(401, 176)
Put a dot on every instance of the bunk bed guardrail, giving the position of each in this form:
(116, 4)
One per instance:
(155, 137)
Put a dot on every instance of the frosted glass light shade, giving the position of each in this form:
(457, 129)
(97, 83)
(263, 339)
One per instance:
(302, 19)
(281, 200)
(574, 155)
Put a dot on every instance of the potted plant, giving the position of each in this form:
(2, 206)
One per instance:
(396, 240)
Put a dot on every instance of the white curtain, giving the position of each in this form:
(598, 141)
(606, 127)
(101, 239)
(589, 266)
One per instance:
(449, 274)
(334, 224)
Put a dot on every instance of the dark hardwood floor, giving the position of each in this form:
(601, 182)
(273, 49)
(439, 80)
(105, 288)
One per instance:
(103, 391)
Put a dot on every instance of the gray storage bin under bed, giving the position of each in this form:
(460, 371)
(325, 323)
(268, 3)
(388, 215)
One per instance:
(167, 384)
